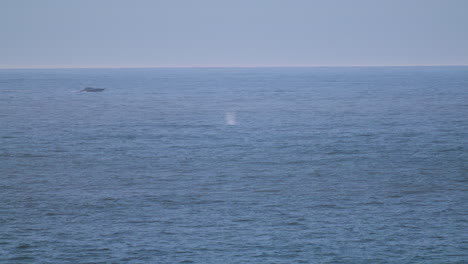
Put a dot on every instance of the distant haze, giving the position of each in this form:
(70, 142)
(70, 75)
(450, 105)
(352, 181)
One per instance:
(240, 33)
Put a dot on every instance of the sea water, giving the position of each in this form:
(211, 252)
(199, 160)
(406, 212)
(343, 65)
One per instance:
(234, 165)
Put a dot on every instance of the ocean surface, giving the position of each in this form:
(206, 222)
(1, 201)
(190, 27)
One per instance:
(234, 165)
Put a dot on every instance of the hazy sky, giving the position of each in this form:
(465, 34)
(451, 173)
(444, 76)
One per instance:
(160, 33)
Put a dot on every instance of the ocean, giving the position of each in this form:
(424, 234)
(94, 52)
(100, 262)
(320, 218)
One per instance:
(234, 165)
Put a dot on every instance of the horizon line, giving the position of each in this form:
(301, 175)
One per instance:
(230, 66)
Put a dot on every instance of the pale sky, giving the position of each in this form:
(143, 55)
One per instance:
(212, 33)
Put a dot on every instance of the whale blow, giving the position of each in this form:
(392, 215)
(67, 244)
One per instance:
(230, 118)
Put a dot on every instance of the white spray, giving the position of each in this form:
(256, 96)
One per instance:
(230, 118)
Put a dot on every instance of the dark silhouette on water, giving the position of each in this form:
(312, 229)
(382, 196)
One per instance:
(91, 89)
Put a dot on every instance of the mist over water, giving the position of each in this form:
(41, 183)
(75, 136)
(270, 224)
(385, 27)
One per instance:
(265, 165)
(230, 118)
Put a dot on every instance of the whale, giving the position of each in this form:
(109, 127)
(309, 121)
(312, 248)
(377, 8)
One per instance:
(91, 89)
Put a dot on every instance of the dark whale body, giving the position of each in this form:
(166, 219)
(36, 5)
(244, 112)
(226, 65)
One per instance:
(91, 89)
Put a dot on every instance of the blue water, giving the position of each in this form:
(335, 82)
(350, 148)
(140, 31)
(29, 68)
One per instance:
(254, 165)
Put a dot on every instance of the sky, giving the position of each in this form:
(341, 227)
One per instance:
(231, 33)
